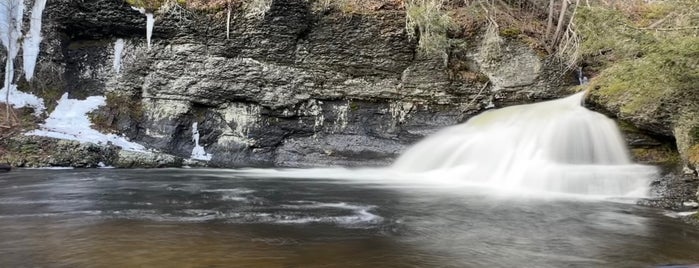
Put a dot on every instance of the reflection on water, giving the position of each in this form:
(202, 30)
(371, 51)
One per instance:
(218, 218)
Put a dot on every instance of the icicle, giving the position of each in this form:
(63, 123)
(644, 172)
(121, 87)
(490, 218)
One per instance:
(149, 27)
(10, 31)
(198, 152)
(11, 13)
(228, 22)
(118, 50)
(32, 40)
(150, 21)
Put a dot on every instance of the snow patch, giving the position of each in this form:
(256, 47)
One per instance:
(20, 99)
(69, 121)
(198, 152)
(118, 51)
(139, 9)
(32, 40)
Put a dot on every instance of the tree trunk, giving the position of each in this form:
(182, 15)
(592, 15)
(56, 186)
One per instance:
(549, 24)
(561, 22)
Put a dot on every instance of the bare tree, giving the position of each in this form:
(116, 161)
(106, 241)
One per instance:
(549, 23)
(561, 23)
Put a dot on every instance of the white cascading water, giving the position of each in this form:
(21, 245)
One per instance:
(553, 146)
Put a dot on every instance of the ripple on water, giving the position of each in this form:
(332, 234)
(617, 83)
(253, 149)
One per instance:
(53, 214)
(298, 213)
(293, 213)
(232, 194)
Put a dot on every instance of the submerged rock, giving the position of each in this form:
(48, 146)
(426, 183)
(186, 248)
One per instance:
(5, 167)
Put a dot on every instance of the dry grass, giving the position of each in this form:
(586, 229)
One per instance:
(358, 6)
(693, 155)
(427, 21)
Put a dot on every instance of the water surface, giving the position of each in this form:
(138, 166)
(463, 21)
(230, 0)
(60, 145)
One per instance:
(227, 218)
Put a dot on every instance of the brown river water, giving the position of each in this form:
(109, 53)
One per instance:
(233, 218)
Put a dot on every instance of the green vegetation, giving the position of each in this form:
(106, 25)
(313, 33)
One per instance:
(354, 106)
(356, 6)
(205, 5)
(510, 32)
(256, 8)
(645, 61)
(641, 65)
(665, 157)
(149, 5)
(118, 107)
(426, 20)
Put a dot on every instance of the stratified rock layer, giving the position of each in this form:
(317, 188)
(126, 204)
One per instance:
(295, 87)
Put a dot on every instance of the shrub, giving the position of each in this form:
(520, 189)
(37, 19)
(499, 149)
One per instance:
(357, 6)
(256, 8)
(426, 20)
(148, 5)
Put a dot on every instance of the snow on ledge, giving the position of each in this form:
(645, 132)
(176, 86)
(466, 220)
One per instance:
(19, 99)
(69, 121)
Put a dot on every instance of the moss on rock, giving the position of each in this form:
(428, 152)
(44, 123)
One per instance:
(647, 77)
(118, 108)
(33, 151)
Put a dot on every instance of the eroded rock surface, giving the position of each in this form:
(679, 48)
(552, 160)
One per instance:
(296, 87)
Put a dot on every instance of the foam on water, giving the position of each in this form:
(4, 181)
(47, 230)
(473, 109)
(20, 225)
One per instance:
(301, 212)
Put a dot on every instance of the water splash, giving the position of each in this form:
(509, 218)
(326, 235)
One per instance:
(553, 146)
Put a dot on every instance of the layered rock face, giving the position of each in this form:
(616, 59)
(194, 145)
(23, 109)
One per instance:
(296, 87)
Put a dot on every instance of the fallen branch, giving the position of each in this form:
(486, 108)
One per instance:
(468, 106)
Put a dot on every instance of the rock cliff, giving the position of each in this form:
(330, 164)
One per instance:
(296, 87)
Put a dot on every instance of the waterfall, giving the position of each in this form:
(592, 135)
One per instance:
(555, 146)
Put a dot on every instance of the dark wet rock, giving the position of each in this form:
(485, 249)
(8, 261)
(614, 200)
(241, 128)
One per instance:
(5, 167)
(673, 192)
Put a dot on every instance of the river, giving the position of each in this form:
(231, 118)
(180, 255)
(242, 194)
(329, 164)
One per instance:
(254, 218)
